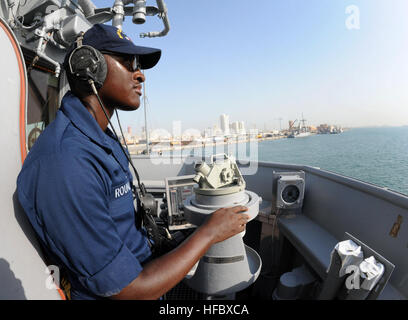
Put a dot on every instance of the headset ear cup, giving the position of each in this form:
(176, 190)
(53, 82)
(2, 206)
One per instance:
(102, 70)
(87, 63)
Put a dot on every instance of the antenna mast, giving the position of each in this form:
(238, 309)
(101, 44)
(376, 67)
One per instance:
(145, 116)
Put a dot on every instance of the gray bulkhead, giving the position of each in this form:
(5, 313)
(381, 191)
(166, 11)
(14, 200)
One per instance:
(333, 204)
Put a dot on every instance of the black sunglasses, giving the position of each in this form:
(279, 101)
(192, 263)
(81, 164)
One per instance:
(130, 62)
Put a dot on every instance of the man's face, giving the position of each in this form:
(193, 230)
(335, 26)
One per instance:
(122, 88)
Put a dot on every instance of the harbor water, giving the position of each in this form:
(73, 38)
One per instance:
(375, 155)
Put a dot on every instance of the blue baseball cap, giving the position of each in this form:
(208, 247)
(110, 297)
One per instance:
(108, 38)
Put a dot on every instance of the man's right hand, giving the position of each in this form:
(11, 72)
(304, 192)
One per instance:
(163, 273)
(226, 222)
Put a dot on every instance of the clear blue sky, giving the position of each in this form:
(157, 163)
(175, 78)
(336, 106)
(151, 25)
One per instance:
(262, 60)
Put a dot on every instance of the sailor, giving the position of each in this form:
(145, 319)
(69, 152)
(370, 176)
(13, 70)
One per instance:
(75, 184)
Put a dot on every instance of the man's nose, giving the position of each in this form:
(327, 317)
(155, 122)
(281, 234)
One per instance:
(139, 76)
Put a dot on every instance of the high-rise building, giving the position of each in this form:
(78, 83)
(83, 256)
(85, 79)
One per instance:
(208, 132)
(217, 131)
(235, 127)
(224, 123)
(241, 127)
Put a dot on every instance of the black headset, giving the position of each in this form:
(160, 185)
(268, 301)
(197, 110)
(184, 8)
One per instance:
(87, 63)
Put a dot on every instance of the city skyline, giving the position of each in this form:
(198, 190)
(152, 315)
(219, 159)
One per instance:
(222, 128)
(290, 57)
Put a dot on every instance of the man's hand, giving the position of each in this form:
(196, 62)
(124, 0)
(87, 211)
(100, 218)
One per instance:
(226, 222)
(162, 274)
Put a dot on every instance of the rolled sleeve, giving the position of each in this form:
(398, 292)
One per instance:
(115, 275)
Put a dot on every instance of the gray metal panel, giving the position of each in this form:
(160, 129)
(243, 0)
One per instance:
(22, 271)
(340, 207)
(313, 242)
(341, 204)
(336, 203)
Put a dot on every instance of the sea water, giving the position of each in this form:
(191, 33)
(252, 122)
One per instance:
(375, 155)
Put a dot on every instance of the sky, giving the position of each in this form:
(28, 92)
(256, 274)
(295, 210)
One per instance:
(260, 61)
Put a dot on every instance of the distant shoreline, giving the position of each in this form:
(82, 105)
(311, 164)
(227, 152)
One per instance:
(157, 148)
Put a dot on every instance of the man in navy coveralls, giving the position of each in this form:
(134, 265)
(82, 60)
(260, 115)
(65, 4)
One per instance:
(75, 188)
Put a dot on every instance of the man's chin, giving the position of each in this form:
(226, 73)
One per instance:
(128, 108)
